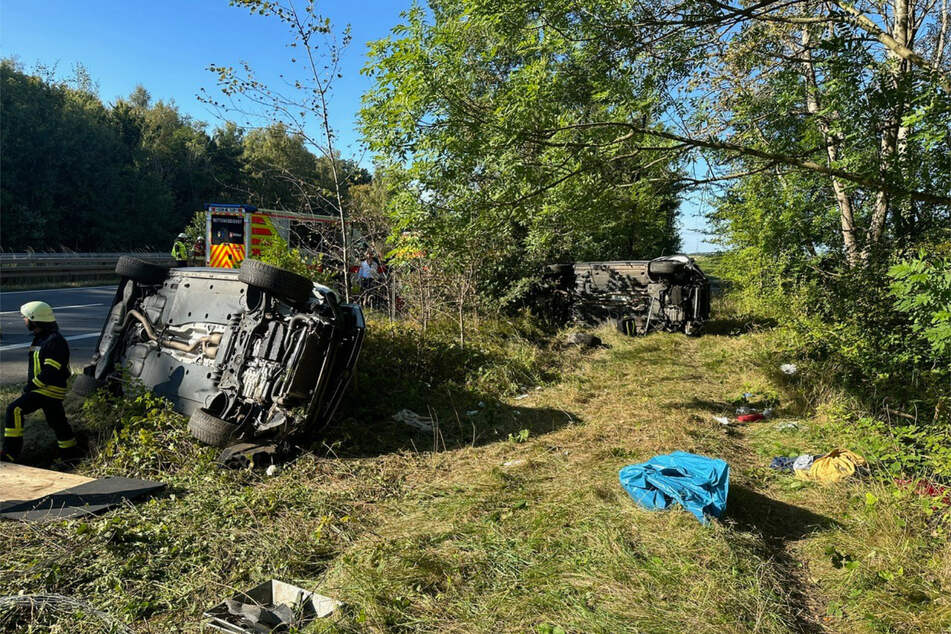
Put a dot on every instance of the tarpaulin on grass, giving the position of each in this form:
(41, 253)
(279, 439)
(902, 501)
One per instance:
(697, 483)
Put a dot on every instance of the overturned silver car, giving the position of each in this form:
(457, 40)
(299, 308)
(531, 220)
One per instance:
(258, 357)
(669, 293)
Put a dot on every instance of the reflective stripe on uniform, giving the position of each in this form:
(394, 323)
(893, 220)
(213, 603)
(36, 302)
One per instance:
(66, 444)
(17, 430)
(56, 364)
(37, 382)
(50, 391)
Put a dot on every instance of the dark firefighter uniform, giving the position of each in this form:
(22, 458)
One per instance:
(46, 384)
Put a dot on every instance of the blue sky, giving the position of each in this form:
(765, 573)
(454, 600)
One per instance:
(167, 45)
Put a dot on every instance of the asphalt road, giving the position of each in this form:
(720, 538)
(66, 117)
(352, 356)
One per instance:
(80, 312)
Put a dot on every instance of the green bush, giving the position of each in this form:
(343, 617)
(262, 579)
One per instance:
(277, 252)
(922, 288)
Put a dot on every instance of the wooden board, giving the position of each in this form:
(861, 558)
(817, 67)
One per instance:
(19, 482)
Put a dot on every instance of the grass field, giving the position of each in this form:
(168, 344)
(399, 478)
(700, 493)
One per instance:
(510, 519)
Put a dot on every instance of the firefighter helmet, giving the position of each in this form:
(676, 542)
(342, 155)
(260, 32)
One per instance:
(182, 236)
(39, 312)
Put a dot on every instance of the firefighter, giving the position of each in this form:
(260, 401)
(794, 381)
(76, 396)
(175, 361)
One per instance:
(180, 251)
(45, 387)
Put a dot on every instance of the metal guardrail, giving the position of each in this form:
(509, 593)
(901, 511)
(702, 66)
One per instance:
(24, 267)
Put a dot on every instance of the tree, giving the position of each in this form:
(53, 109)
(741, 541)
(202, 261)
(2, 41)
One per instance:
(479, 113)
(316, 61)
(815, 89)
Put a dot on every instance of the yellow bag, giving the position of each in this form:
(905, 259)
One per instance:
(836, 465)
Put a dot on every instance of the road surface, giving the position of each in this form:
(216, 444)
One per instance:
(80, 312)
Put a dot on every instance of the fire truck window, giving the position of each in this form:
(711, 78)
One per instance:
(227, 230)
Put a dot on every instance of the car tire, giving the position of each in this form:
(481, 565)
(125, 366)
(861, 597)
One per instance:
(663, 268)
(295, 288)
(210, 429)
(140, 271)
(84, 385)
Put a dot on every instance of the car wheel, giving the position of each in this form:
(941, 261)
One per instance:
(657, 268)
(210, 429)
(140, 271)
(276, 281)
(84, 385)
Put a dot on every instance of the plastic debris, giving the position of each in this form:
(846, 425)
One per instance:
(927, 488)
(723, 420)
(697, 483)
(836, 465)
(750, 418)
(742, 411)
(747, 395)
(272, 470)
(768, 412)
(803, 462)
(521, 396)
(789, 464)
(481, 404)
(514, 463)
(472, 412)
(782, 463)
(411, 418)
(272, 606)
(788, 425)
(789, 368)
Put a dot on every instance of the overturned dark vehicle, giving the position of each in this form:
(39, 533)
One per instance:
(258, 358)
(669, 293)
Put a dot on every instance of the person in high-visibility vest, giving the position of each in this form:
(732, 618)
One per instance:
(46, 385)
(180, 251)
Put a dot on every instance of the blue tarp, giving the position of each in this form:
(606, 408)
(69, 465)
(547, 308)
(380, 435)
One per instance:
(697, 483)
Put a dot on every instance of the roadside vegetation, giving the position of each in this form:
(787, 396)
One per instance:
(509, 515)
(508, 139)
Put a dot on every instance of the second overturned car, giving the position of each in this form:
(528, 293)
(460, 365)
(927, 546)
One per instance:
(669, 293)
(258, 357)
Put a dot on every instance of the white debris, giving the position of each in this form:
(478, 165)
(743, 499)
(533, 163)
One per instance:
(516, 412)
(481, 404)
(472, 412)
(767, 412)
(521, 396)
(803, 462)
(747, 395)
(789, 368)
(514, 463)
(411, 418)
(723, 420)
(538, 387)
(272, 470)
(742, 411)
(787, 425)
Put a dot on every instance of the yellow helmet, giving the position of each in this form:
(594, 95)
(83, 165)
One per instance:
(39, 312)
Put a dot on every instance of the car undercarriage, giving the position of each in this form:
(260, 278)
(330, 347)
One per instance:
(258, 358)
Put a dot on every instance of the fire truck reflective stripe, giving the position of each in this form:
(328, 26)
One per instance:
(226, 256)
(261, 231)
(255, 241)
(258, 220)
